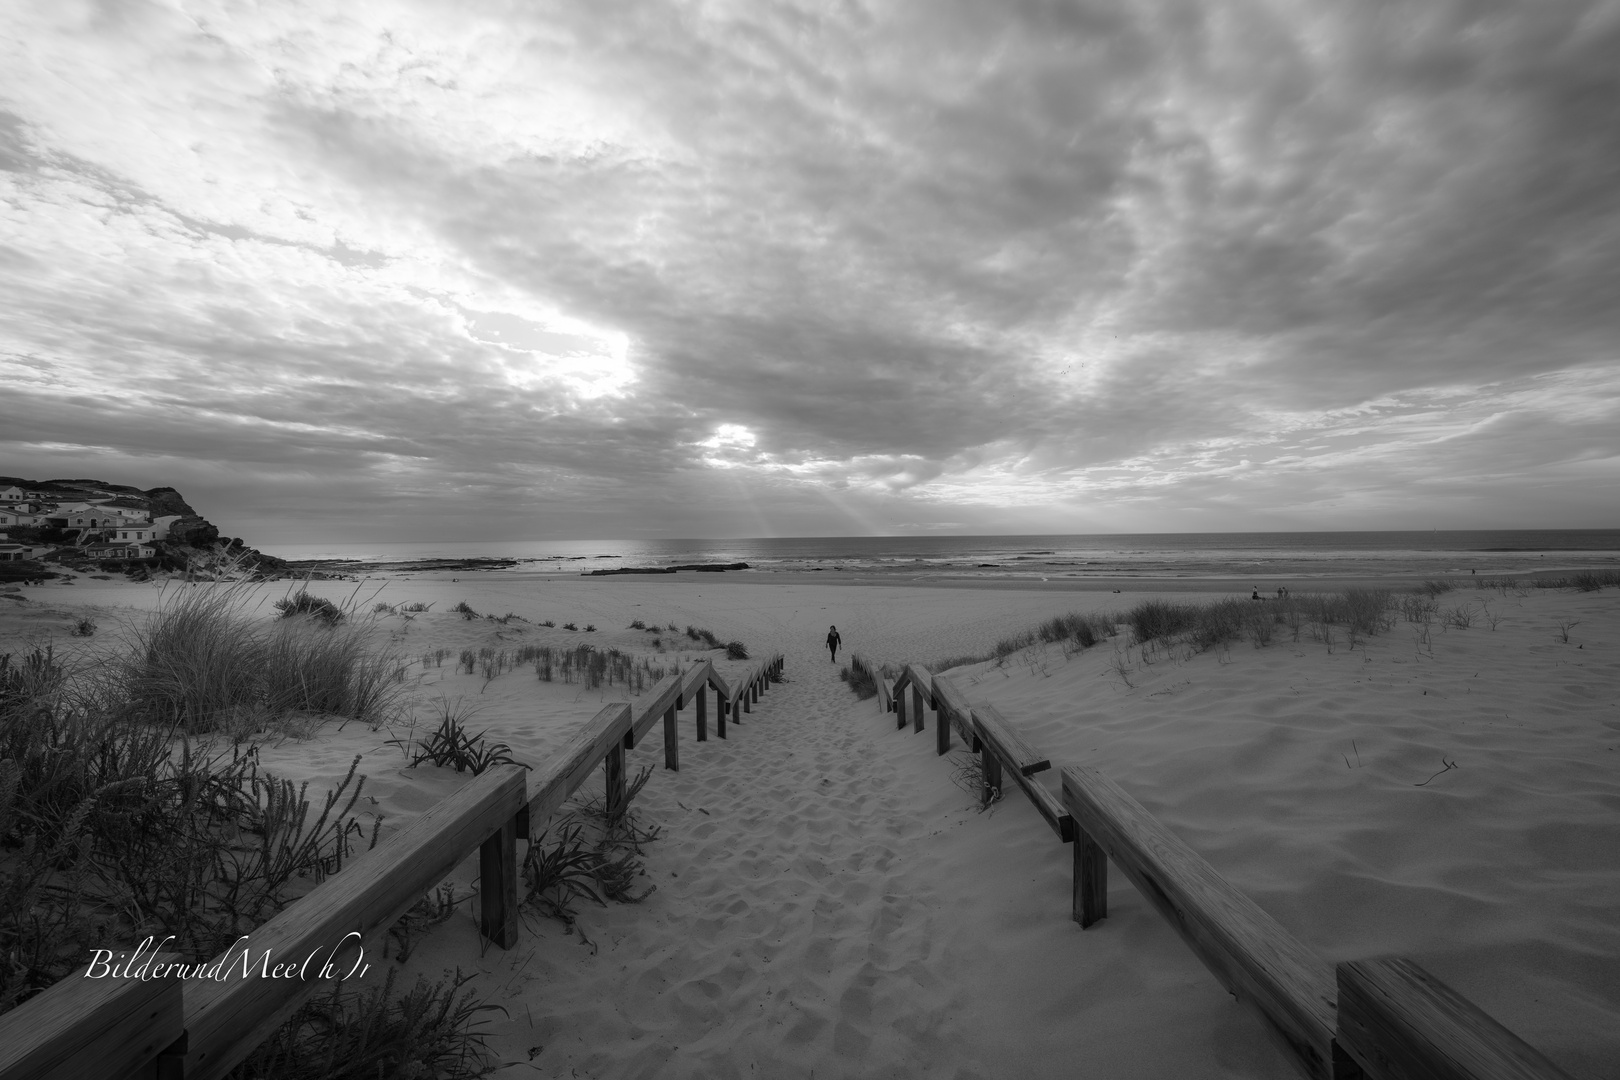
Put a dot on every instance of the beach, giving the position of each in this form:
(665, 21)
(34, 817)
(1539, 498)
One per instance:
(830, 902)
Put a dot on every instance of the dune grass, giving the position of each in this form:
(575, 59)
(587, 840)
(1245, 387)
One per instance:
(204, 663)
(117, 823)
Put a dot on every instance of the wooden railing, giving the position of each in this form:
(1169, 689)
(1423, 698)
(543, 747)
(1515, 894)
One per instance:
(85, 1028)
(1383, 1019)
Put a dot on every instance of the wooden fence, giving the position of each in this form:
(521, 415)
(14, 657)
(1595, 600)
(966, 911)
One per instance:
(1382, 1019)
(90, 1026)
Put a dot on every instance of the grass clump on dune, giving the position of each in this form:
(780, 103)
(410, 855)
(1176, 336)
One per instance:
(117, 825)
(202, 663)
(1205, 625)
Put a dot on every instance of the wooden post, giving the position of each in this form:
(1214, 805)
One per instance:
(942, 731)
(900, 709)
(917, 704)
(1090, 880)
(703, 714)
(991, 766)
(748, 697)
(497, 882)
(613, 765)
(672, 741)
(721, 706)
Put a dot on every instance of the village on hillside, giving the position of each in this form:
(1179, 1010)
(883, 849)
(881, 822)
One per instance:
(89, 522)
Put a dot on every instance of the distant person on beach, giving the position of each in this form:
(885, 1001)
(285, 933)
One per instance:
(1256, 595)
(833, 641)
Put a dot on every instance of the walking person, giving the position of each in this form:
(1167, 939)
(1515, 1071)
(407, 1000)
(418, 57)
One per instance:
(833, 641)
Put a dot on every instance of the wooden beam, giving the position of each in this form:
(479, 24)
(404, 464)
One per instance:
(664, 694)
(1398, 1022)
(990, 771)
(225, 1020)
(672, 740)
(104, 1020)
(1008, 744)
(497, 883)
(1248, 951)
(615, 799)
(697, 676)
(703, 713)
(722, 700)
(563, 773)
(921, 690)
(955, 711)
(1090, 880)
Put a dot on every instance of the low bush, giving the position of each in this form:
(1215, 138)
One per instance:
(736, 650)
(317, 608)
(1586, 581)
(432, 1030)
(451, 745)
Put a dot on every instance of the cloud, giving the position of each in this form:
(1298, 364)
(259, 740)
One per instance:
(1087, 263)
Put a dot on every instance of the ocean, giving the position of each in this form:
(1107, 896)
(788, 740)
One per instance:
(1268, 556)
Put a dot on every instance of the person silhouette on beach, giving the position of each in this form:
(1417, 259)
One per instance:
(1256, 595)
(833, 641)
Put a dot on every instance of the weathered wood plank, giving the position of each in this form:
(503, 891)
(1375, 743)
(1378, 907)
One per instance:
(1090, 880)
(991, 732)
(551, 785)
(703, 713)
(94, 1023)
(1248, 951)
(225, 1020)
(696, 677)
(664, 694)
(1398, 1022)
(1008, 744)
(922, 688)
(990, 772)
(616, 796)
(497, 884)
(952, 703)
(672, 740)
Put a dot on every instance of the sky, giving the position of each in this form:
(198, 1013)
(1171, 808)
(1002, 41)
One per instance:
(393, 270)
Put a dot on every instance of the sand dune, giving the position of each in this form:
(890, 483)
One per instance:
(829, 903)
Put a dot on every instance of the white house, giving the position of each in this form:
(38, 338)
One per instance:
(13, 494)
(160, 526)
(17, 517)
(102, 518)
(120, 551)
(16, 552)
(140, 533)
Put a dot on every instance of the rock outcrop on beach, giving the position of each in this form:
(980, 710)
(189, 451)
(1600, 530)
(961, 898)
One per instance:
(190, 539)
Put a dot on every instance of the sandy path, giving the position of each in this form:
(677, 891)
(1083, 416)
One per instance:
(784, 937)
(820, 912)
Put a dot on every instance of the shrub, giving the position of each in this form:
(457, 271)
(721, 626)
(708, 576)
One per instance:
(859, 678)
(465, 610)
(736, 650)
(1588, 581)
(451, 745)
(569, 626)
(84, 627)
(200, 664)
(637, 624)
(318, 608)
(432, 1030)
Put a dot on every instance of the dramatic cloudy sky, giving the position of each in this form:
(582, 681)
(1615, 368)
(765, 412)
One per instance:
(446, 270)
